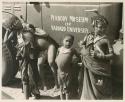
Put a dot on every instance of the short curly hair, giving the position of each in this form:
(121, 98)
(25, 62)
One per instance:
(69, 35)
(99, 19)
(29, 28)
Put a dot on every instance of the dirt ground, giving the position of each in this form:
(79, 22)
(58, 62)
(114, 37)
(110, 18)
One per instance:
(13, 91)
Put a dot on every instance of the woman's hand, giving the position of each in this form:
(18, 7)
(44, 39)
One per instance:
(96, 54)
(80, 43)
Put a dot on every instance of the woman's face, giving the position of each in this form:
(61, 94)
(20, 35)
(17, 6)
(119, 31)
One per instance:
(100, 29)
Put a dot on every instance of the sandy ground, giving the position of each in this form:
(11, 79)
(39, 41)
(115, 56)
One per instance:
(14, 91)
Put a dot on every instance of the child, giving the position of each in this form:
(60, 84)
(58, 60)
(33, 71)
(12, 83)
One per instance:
(64, 63)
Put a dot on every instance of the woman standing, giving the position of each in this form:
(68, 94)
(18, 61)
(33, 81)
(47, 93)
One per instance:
(96, 59)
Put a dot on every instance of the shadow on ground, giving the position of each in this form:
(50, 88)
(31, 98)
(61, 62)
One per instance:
(15, 83)
(49, 98)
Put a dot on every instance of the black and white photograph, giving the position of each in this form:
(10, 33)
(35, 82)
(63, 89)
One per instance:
(62, 50)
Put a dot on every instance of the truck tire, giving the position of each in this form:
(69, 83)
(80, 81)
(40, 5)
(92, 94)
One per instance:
(7, 65)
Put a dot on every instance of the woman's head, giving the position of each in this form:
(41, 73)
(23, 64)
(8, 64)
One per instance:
(68, 41)
(28, 28)
(100, 24)
(12, 23)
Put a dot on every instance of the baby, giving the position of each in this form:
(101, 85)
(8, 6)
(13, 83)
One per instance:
(64, 63)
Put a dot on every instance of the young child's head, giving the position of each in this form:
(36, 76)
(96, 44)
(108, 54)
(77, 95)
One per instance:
(68, 41)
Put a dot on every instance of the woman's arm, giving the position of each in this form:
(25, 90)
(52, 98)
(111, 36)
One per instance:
(83, 42)
(105, 56)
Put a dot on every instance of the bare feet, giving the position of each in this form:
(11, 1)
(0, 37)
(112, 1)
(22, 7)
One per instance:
(55, 88)
(37, 96)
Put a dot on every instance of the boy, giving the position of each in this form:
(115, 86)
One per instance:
(65, 68)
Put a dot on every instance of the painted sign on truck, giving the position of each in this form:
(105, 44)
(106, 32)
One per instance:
(60, 19)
